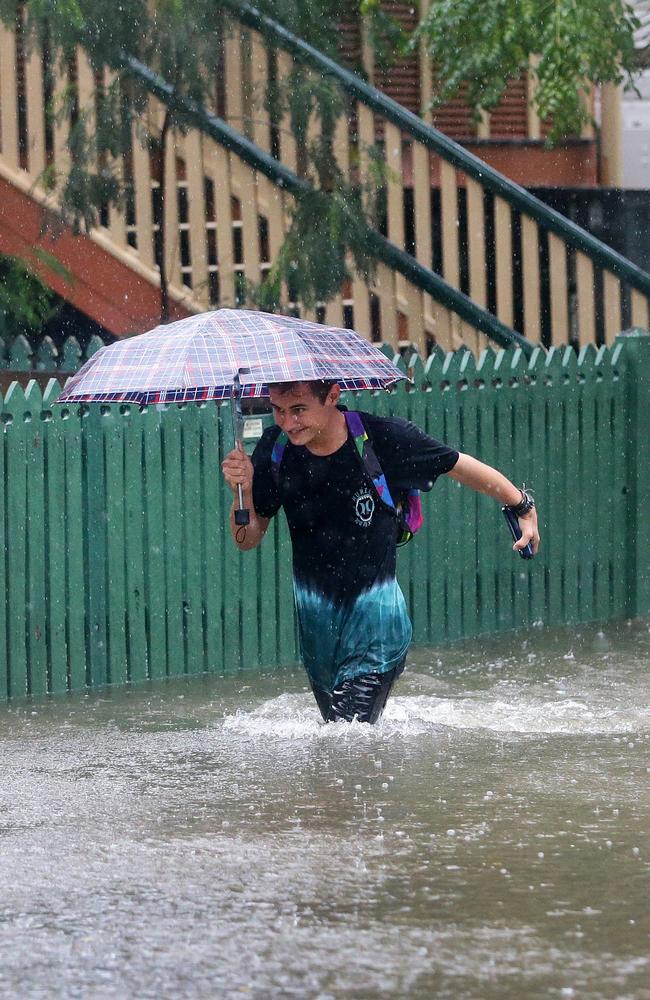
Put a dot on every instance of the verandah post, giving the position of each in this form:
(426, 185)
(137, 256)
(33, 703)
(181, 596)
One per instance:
(637, 378)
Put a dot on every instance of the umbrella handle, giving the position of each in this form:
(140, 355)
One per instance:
(242, 514)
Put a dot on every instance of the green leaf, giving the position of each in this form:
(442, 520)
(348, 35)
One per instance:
(25, 301)
(477, 46)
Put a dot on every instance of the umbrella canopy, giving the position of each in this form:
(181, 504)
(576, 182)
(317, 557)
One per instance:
(200, 357)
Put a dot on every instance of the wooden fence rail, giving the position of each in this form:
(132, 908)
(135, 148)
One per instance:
(118, 566)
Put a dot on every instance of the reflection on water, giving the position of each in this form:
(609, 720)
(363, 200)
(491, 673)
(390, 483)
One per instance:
(211, 838)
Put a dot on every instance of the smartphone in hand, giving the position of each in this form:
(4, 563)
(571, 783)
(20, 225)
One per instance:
(513, 523)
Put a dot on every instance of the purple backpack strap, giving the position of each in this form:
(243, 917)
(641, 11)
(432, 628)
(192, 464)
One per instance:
(355, 424)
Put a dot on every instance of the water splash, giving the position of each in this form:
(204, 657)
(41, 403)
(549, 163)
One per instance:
(295, 717)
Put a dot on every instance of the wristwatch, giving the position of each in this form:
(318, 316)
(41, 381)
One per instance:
(524, 506)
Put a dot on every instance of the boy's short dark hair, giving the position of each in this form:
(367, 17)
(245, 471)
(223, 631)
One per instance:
(319, 387)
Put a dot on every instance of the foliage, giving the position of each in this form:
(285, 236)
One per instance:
(386, 35)
(25, 302)
(313, 20)
(326, 227)
(477, 47)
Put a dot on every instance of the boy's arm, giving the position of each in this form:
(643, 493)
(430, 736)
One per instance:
(238, 470)
(478, 476)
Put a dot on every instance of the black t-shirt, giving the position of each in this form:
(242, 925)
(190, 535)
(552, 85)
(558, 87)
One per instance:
(351, 612)
(343, 536)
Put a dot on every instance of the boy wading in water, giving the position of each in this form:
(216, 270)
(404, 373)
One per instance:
(354, 628)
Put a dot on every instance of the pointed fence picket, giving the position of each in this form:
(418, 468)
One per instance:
(118, 564)
(19, 355)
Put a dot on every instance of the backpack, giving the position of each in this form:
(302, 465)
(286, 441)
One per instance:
(407, 509)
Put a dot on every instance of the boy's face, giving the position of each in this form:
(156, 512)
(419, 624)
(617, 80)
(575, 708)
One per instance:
(302, 416)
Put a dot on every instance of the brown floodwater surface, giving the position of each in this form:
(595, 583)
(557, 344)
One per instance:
(490, 838)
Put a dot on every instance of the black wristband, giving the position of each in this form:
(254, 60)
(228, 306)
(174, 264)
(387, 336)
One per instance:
(524, 506)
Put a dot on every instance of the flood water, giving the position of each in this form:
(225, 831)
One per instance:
(210, 838)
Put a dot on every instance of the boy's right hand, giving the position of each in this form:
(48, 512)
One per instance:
(237, 470)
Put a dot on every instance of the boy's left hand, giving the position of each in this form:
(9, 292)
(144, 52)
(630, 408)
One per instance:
(529, 532)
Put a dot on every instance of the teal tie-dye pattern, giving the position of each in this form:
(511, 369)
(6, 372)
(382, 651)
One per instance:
(342, 642)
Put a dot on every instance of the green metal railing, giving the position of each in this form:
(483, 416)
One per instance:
(118, 565)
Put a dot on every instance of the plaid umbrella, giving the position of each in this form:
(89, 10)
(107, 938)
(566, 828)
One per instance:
(200, 358)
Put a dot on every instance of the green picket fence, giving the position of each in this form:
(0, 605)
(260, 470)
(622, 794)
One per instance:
(118, 564)
(19, 354)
